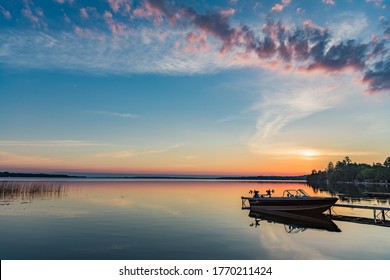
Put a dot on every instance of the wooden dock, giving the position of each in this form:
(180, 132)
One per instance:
(380, 214)
(376, 194)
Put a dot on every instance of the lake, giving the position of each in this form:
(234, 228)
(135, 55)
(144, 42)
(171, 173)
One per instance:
(172, 219)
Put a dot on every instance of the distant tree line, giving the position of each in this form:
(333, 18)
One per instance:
(346, 171)
(38, 175)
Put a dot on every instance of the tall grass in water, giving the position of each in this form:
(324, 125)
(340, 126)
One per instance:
(30, 190)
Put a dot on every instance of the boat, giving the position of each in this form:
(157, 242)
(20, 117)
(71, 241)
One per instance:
(295, 222)
(293, 200)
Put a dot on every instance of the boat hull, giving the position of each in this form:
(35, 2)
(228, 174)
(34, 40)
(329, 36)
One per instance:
(304, 204)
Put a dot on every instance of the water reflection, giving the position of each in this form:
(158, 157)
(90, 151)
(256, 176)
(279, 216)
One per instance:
(294, 223)
(141, 219)
(353, 191)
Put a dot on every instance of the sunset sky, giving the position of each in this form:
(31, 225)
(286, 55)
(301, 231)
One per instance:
(193, 87)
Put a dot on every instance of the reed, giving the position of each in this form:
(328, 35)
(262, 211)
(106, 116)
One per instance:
(30, 190)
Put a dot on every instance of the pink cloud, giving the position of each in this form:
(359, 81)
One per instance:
(66, 18)
(117, 28)
(196, 43)
(83, 13)
(142, 13)
(329, 2)
(78, 30)
(63, 1)
(117, 5)
(227, 12)
(6, 14)
(34, 15)
(157, 10)
(277, 8)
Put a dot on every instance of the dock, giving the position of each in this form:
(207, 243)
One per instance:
(380, 214)
(377, 194)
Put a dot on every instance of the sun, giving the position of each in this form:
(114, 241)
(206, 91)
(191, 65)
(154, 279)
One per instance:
(309, 153)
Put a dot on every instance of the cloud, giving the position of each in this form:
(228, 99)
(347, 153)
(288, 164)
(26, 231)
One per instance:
(286, 106)
(6, 14)
(64, 1)
(84, 13)
(117, 28)
(117, 5)
(114, 114)
(33, 14)
(195, 42)
(8, 159)
(147, 51)
(378, 77)
(164, 150)
(49, 143)
(309, 46)
(277, 8)
(348, 25)
(116, 154)
(329, 2)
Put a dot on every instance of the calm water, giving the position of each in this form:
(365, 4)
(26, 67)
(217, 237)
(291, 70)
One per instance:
(171, 220)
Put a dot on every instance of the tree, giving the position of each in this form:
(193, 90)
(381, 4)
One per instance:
(387, 162)
(347, 160)
(330, 168)
(340, 165)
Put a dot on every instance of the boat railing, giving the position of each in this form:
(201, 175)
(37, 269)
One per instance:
(295, 193)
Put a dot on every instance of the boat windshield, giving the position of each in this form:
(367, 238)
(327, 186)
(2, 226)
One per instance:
(295, 193)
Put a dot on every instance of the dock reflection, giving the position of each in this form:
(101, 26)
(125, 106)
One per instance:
(293, 222)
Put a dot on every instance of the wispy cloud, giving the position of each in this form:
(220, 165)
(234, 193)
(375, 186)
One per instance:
(329, 2)
(129, 153)
(117, 154)
(5, 12)
(294, 98)
(286, 106)
(99, 52)
(9, 159)
(50, 143)
(191, 157)
(164, 150)
(114, 114)
(231, 118)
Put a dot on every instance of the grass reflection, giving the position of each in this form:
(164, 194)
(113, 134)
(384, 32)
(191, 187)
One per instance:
(31, 190)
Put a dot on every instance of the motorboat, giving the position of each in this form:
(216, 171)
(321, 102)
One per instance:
(295, 222)
(293, 200)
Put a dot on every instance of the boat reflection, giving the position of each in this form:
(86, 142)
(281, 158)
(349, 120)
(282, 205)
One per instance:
(294, 223)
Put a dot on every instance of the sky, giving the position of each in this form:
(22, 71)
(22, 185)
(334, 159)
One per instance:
(228, 87)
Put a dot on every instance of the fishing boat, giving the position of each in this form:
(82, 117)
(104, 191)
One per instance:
(293, 200)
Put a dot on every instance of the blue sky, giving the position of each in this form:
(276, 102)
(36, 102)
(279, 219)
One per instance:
(193, 87)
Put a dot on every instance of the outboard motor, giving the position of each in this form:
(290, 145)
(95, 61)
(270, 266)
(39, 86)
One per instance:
(269, 192)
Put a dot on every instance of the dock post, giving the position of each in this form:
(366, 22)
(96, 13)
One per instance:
(383, 215)
(374, 215)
